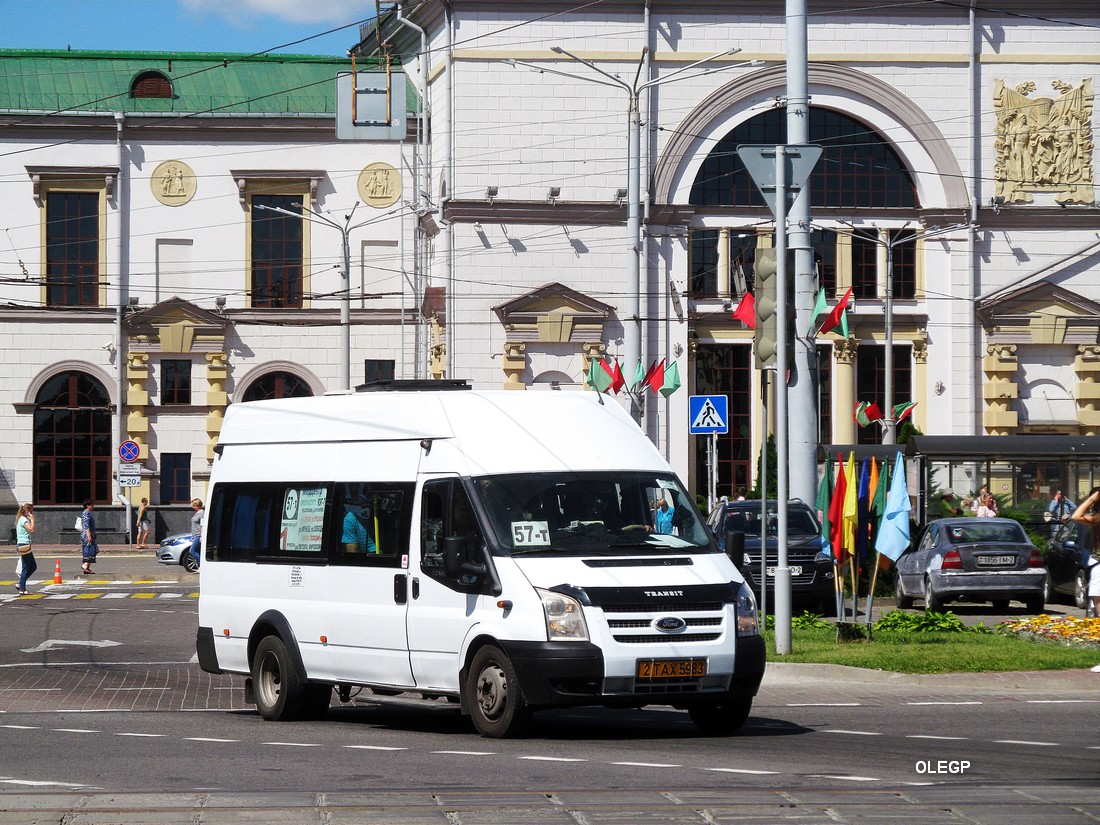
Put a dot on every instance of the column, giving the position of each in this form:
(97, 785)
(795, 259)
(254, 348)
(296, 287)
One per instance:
(1000, 390)
(137, 420)
(217, 369)
(844, 390)
(1087, 365)
(514, 362)
(920, 384)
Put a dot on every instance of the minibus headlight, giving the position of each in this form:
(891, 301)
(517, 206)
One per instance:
(564, 617)
(747, 622)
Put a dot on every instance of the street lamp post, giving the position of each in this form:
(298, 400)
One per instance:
(632, 333)
(345, 230)
(889, 424)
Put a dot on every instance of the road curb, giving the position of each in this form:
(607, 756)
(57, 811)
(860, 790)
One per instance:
(800, 673)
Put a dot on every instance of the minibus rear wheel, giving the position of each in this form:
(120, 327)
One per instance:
(494, 697)
(279, 688)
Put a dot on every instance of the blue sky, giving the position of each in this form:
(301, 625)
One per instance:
(183, 25)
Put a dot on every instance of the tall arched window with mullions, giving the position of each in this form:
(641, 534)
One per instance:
(72, 441)
(277, 385)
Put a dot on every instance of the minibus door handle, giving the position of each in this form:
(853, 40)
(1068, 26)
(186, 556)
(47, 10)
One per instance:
(400, 588)
(416, 588)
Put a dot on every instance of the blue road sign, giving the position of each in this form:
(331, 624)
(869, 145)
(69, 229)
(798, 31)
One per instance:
(708, 414)
(129, 451)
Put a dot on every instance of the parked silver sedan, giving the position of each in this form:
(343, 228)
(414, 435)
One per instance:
(972, 559)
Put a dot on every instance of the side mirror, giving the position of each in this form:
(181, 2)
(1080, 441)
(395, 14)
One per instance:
(735, 547)
(456, 560)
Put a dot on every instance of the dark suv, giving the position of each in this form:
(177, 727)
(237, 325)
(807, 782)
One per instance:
(812, 579)
(1068, 559)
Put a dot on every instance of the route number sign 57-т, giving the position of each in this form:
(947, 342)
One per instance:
(530, 534)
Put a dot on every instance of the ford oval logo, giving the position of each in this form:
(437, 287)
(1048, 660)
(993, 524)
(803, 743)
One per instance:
(669, 624)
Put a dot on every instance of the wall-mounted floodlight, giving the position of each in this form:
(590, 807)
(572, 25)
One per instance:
(491, 193)
(553, 194)
(620, 196)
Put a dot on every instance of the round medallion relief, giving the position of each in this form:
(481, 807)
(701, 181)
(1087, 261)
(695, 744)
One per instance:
(379, 185)
(173, 183)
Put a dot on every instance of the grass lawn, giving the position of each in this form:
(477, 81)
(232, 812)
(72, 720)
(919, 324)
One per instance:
(934, 652)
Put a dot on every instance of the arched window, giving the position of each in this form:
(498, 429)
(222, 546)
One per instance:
(857, 169)
(277, 385)
(72, 441)
(151, 84)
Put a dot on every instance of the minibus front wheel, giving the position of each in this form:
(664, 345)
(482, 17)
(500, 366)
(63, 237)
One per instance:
(494, 696)
(720, 718)
(282, 694)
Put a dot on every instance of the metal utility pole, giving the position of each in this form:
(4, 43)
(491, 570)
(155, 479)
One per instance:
(801, 389)
(632, 329)
(345, 278)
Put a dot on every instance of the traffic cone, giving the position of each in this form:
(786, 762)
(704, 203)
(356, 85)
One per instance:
(57, 572)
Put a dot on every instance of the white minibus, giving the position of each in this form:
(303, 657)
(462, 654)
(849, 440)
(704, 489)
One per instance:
(509, 551)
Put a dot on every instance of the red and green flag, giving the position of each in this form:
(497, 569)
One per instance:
(598, 377)
(838, 315)
(903, 411)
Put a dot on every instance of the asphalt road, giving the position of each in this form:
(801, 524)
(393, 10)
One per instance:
(105, 717)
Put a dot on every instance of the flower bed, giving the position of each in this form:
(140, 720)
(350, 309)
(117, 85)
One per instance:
(1071, 631)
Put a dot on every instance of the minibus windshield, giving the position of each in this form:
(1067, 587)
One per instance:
(605, 513)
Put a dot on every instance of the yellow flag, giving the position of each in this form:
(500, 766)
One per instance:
(851, 509)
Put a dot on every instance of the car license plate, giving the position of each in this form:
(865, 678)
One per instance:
(796, 570)
(675, 668)
(995, 561)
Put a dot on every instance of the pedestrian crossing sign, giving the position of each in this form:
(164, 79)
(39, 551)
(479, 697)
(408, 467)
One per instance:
(708, 414)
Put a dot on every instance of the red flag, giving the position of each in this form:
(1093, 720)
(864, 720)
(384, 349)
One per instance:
(836, 512)
(656, 379)
(833, 317)
(746, 311)
(617, 379)
(873, 411)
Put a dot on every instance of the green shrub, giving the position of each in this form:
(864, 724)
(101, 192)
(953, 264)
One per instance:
(928, 621)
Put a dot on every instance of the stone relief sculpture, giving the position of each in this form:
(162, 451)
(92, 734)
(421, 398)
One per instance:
(1043, 144)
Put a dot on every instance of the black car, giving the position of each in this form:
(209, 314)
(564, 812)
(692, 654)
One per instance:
(812, 578)
(1067, 559)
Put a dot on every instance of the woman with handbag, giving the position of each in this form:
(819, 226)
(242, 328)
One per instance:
(24, 528)
(88, 547)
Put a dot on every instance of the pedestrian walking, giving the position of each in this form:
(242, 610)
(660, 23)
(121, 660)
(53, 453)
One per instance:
(145, 524)
(196, 531)
(24, 534)
(88, 547)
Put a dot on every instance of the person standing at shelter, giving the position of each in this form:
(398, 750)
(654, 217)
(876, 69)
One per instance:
(1060, 508)
(1088, 513)
(88, 547)
(144, 523)
(24, 530)
(196, 531)
(986, 507)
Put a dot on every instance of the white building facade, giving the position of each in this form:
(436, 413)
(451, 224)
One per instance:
(973, 125)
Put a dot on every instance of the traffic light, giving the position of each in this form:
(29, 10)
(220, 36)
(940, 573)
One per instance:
(765, 293)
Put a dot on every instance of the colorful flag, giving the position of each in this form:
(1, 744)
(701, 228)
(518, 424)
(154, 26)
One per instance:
(878, 498)
(902, 411)
(820, 305)
(837, 315)
(863, 511)
(850, 516)
(893, 532)
(617, 380)
(836, 512)
(671, 382)
(598, 377)
(746, 311)
(861, 416)
(639, 377)
(824, 500)
(656, 377)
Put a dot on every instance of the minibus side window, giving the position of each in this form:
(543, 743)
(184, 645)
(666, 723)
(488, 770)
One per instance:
(372, 524)
(445, 511)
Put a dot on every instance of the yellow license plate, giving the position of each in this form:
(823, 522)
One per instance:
(675, 668)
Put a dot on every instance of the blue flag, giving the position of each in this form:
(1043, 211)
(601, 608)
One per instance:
(863, 511)
(893, 533)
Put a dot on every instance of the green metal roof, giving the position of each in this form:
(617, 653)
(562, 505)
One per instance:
(219, 84)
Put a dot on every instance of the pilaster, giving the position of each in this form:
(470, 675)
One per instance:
(1000, 390)
(1087, 366)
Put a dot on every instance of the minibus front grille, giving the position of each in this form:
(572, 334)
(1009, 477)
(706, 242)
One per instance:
(624, 624)
(664, 607)
(665, 638)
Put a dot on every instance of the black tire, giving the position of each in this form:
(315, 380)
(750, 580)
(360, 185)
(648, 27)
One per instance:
(1049, 594)
(1035, 604)
(720, 718)
(279, 688)
(494, 696)
(931, 600)
(1001, 605)
(316, 700)
(187, 561)
(1081, 589)
(902, 600)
